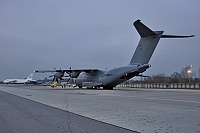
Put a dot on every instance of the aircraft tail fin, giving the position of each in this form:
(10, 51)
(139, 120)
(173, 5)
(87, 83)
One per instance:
(142, 29)
(148, 42)
(30, 77)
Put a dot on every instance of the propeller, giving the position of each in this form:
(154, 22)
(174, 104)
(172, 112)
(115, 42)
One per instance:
(69, 73)
(57, 75)
(72, 75)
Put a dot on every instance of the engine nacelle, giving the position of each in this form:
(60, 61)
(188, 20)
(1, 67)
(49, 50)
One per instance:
(59, 74)
(74, 74)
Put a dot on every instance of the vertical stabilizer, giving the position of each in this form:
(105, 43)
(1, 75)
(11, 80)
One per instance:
(147, 44)
(30, 77)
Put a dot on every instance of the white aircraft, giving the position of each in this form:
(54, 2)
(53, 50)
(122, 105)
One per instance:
(29, 79)
(95, 78)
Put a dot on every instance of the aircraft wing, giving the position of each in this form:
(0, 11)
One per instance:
(68, 70)
(73, 73)
(78, 70)
(44, 71)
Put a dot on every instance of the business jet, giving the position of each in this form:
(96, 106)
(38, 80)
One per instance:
(27, 80)
(96, 78)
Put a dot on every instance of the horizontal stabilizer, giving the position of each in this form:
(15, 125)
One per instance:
(44, 71)
(175, 36)
(148, 42)
(143, 30)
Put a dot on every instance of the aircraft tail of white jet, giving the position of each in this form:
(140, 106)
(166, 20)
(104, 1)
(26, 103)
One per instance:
(148, 42)
(30, 77)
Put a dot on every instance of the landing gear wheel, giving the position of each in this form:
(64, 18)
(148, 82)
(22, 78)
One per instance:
(80, 87)
(108, 88)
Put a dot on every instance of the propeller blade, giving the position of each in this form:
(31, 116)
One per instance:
(57, 80)
(53, 79)
(68, 80)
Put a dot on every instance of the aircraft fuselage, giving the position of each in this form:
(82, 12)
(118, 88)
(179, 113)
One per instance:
(110, 77)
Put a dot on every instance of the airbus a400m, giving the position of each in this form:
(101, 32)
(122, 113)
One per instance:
(95, 78)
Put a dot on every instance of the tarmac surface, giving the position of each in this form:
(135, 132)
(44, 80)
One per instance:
(141, 110)
(19, 115)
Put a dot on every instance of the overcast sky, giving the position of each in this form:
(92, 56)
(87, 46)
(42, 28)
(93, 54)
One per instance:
(43, 34)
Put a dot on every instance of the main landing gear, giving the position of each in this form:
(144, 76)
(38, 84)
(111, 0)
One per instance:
(108, 88)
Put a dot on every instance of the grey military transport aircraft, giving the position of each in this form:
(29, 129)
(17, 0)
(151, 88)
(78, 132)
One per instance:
(96, 78)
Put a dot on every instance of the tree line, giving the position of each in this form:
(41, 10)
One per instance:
(187, 75)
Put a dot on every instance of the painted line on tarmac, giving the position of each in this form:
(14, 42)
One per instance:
(172, 100)
(160, 99)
